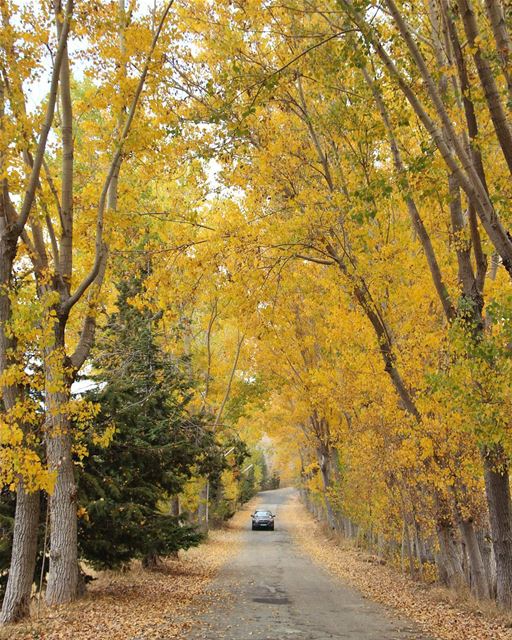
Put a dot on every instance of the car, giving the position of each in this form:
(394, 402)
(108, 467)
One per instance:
(263, 519)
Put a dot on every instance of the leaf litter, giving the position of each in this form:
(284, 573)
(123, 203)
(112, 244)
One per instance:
(138, 604)
(436, 611)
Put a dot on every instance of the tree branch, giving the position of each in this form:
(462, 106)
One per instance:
(50, 110)
(100, 247)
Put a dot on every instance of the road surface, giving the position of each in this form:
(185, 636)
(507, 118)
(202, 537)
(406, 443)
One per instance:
(271, 591)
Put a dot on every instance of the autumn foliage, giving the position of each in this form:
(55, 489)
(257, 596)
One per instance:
(323, 190)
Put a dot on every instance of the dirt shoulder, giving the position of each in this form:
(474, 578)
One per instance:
(138, 604)
(436, 611)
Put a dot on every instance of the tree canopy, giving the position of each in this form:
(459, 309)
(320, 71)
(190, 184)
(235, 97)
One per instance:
(286, 229)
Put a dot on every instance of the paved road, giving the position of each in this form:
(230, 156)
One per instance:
(271, 591)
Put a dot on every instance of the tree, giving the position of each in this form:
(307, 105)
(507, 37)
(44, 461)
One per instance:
(125, 488)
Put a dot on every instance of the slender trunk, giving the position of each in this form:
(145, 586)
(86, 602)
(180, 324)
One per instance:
(175, 508)
(486, 551)
(451, 149)
(16, 603)
(324, 460)
(408, 549)
(414, 214)
(418, 547)
(502, 38)
(202, 514)
(487, 81)
(497, 488)
(151, 561)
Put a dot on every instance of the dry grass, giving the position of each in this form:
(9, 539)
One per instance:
(441, 613)
(138, 604)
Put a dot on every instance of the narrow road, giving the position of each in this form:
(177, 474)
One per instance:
(271, 591)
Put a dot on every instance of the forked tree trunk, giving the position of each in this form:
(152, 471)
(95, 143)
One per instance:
(16, 603)
(450, 567)
(497, 488)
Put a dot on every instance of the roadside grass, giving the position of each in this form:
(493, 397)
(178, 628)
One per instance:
(138, 604)
(441, 613)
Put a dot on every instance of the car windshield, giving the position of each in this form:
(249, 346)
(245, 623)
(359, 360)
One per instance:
(262, 513)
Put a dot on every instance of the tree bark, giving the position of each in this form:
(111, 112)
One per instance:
(479, 583)
(414, 214)
(497, 488)
(449, 558)
(487, 554)
(487, 81)
(324, 461)
(16, 603)
(63, 570)
(501, 36)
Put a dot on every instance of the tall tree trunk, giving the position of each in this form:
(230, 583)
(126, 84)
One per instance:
(63, 567)
(16, 603)
(497, 489)
(418, 546)
(498, 21)
(487, 81)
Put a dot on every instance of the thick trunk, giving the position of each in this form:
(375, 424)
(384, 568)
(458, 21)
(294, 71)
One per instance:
(16, 603)
(497, 489)
(479, 583)
(448, 559)
(63, 569)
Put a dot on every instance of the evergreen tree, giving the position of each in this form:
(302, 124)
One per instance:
(125, 488)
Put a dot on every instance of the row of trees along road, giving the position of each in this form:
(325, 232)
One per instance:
(362, 226)
(325, 192)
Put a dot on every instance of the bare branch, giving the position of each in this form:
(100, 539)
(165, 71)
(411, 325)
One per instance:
(230, 381)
